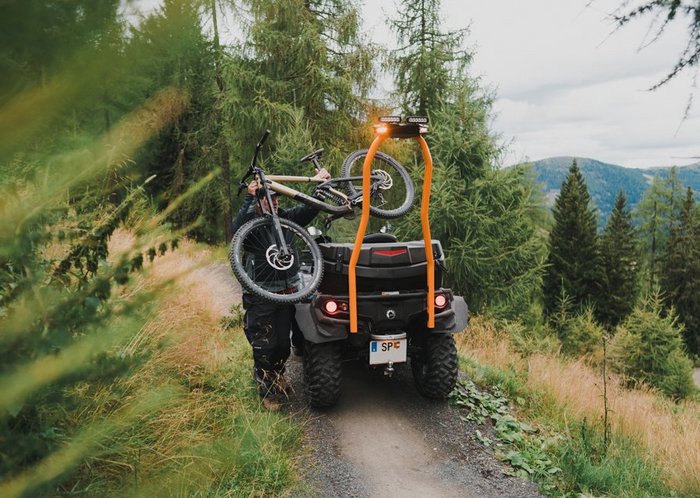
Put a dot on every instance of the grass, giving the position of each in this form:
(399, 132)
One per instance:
(205, 432)
(653, 448)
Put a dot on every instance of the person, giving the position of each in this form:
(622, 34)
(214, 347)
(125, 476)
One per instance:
(267, 325)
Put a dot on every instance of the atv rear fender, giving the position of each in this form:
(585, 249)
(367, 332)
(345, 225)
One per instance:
(319, 327)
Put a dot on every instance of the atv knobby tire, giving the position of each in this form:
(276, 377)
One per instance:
(322, 373)
(435, 367)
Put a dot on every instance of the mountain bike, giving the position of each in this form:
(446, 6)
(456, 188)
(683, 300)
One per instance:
(277, 259)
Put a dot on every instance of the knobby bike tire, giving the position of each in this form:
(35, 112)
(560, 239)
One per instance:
(237, 252)
(390, 162)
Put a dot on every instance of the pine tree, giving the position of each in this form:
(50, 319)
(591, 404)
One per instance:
(680, 279)
(170, 48)
(574, 261)
(620, 259)
(299, 55)
(647, 347)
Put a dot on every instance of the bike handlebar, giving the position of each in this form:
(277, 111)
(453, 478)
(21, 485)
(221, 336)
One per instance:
(253, 164)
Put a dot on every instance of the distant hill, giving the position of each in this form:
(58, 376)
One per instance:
(606, 180)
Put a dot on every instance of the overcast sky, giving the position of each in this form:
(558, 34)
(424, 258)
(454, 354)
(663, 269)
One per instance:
(568, 85)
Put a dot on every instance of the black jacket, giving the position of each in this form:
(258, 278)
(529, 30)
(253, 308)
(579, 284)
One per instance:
(301, 215)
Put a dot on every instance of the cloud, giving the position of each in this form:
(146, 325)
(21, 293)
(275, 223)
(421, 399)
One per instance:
(569, 84)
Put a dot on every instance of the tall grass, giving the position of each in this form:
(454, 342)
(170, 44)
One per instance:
(215, 440)
(570, 392)
(184, 418)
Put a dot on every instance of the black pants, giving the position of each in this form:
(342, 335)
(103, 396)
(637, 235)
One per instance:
(267, 327)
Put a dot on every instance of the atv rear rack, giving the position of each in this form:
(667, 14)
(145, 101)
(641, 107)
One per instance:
(392, 127)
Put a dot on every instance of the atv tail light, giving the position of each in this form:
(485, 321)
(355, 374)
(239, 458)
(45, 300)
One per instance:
(440, 301)
(330, 307)
(333, 307)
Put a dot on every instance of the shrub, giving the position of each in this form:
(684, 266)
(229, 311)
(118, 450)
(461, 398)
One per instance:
(579, 334)
(648, 347)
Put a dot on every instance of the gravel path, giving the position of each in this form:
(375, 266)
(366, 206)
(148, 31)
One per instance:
(696, 376)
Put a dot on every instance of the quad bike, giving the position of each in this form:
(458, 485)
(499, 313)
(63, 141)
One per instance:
(392, 312)
(378, 300)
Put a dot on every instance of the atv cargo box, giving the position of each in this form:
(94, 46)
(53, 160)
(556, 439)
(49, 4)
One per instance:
(389, 266)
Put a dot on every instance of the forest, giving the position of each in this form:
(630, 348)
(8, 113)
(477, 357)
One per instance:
(113, 122)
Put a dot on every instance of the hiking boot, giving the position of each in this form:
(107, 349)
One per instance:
(271, 405)
(264, 382)
(281, 386)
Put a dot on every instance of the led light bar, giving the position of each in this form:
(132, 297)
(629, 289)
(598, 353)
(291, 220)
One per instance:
(417, 119)
(389, 119)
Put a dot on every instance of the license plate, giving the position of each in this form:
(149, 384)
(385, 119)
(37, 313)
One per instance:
(387, 350)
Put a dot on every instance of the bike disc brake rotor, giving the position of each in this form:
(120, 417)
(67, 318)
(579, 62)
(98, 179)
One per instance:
(277, 260)
(384, 182)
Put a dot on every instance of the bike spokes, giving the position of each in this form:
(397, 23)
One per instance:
(266, 270)
(391, 188)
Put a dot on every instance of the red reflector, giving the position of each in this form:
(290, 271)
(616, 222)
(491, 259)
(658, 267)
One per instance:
(440, 301)
(391, 252)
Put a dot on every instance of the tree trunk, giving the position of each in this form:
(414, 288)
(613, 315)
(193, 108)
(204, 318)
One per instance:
(223, 152)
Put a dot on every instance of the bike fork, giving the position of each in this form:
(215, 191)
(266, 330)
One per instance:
(277, 232)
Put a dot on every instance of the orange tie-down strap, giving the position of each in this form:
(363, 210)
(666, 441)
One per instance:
(364, 220)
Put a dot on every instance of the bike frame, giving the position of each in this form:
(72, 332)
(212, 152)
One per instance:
(274, 182)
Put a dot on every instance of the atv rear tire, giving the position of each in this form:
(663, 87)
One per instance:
(322, 373)
(435, 368)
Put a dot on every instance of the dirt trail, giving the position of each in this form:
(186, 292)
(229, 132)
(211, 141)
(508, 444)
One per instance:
(383, 439)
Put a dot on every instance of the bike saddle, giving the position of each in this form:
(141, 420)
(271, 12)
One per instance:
(314, 155)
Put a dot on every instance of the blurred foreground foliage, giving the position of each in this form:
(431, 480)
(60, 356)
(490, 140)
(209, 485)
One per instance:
(67, 181)
(62, 318)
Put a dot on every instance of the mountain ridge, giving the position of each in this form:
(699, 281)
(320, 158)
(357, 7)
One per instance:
(605, 180)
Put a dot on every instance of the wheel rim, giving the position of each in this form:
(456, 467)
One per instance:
(262, 268)
(388, 192)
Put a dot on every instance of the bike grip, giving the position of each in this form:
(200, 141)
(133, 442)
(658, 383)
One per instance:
(263, 138)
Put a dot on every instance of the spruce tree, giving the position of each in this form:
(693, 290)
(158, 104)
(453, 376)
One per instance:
(485, 217)
(306, 56)
(680, 278)
(427, 55)
(573, 265)
(647, 347)
(658, 206)
(620, 259)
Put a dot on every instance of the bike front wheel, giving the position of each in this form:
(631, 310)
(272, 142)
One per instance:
(391, 188)
(263, 269)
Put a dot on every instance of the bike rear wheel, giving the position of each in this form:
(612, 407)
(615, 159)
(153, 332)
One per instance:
(392, 194)
(263, 270)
